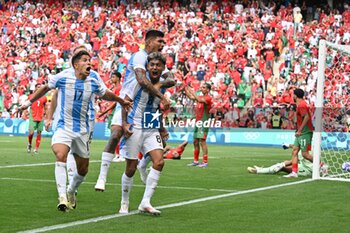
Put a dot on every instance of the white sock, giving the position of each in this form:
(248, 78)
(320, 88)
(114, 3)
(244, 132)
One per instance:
(144, 161)
(105, 163)
(61, 178)
(270, 170)
(71, 166)
(76, 182)
(264, 170)
(277, 167)
(126, 187)
(151, 185)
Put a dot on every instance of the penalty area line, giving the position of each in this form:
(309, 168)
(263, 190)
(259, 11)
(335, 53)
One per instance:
(114, 216)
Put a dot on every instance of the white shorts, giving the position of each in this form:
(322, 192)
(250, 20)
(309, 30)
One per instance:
(117, 116)
(79, 144)
(91, 125)
(142, 140)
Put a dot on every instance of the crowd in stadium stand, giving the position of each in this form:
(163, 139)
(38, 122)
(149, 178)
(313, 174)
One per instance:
(254, 53)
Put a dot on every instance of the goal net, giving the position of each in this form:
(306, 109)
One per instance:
(331, 142)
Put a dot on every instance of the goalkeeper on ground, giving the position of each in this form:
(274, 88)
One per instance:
(304, 165)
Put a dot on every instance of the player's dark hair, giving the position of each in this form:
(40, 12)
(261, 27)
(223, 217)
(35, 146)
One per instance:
(299, 93)
(153, 33)
(156, 56)
(80, 47)
(78, 55)
(208, 86)
(116, 73)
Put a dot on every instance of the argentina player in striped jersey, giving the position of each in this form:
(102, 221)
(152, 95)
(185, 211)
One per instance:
(136, 71)
(139, 139)
(75, 92)
(70, 164)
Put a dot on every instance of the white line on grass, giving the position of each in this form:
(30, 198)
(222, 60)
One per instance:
(38, 164)
(92, 161)
(116, 184)
(113, 216)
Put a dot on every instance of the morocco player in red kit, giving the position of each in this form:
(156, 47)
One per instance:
(303, 135)
(36, 121)
(200, 134)
(174, 153)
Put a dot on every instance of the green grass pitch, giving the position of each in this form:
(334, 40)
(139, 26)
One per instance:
(223, 197)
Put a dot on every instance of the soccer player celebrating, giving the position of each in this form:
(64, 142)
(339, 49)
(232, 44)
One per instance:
(70, 163)
(136, 70)
(36, 121)
(303, 135)
(75, 93)
(147, 140)
(202, 114)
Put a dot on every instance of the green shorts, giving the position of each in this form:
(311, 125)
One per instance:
(36, 125)
(200, 132)
(303, 142)
(109, 122)
(304, 170)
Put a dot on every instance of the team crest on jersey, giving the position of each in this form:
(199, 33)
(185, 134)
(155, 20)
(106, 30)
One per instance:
(151, 120)
(70, 86)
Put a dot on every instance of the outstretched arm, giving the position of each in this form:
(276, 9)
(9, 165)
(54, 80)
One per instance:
(110, 96)
(109, 108)
(37, 95)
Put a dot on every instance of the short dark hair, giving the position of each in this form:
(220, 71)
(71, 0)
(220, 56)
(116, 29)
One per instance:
(78, 55)
(208, 86)
(153, 33)
(80, 47)
(116, 73)
(156, 56)
(299, 93)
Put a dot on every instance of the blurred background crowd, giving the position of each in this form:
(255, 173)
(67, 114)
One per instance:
(254, 53)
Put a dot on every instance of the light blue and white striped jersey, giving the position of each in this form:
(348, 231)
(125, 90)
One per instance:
(143, 102)
(137, 60)
(75, 100)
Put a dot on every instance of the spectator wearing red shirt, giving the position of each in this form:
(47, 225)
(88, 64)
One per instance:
(267, 75)
(258, 101)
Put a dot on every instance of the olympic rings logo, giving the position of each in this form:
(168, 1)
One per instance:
(251, 135)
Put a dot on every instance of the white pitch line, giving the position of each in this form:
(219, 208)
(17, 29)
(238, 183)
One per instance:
(7, 141)
(113, 216)
(38, 164)
(92, 161)
(117, 184)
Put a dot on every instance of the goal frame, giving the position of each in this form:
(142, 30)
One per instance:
(322, 52)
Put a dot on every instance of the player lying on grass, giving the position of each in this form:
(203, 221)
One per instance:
(174, 153)
(304, 165)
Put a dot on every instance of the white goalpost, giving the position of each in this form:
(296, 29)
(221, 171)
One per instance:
(331, 145)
